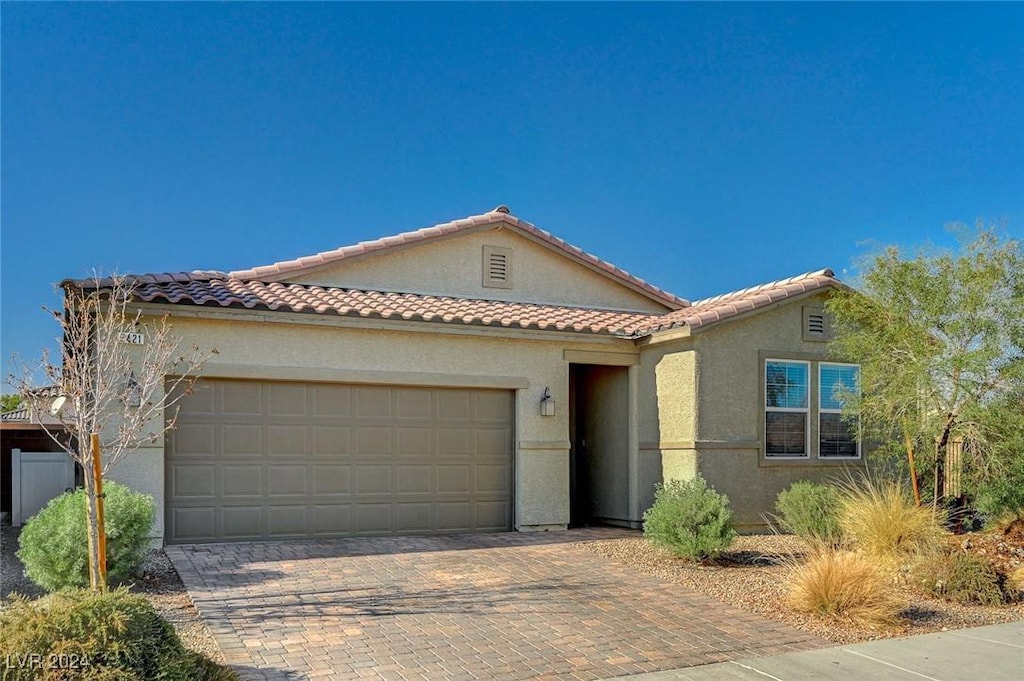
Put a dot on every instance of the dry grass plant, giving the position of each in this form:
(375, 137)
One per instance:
(844, 585)
(879, 519)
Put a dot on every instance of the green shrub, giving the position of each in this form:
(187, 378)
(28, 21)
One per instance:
(962, 578)
(54, 542)
(811, 511)
(689, 519)
(90, 636)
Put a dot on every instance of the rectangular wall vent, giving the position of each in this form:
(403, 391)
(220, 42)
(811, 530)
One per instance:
(497, 267)
(816, 326)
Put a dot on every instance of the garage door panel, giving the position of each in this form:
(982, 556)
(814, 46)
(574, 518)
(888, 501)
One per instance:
(194, 524)
(241, 397)
(453, 479)
(492, 515)
(373, 518)
(287, 399)
(493, 478)
(191, 480)
(331, 400)
(332, 519)
(454, 516)
(241, 439)
(373, 480)
(242, 522)
(373, 402)
(454, 405)
(332, 480)
(454, 442)
(493, 406)
(258, 460)
(417, 442)
(241, 480)
(331, 441)
(288, 480)
(492, 442)
(414, 517)
(287, 521)
(373, 440)
(413, 404)
(194, 439)
(415, 479)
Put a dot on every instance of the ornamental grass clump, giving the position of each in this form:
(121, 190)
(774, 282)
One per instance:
(689, 519)
(810, 510)
(54, 544)
(844, 585)
(881, 520)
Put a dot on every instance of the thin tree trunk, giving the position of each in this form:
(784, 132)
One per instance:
(92, 529)
(940, 461)
(913, 467)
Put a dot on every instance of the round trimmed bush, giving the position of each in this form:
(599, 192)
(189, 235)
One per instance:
(689, 519)
(97, 636)
(54, 545)
(810, 510)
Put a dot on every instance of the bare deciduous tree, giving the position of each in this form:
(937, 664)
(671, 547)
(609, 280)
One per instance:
(118, 381)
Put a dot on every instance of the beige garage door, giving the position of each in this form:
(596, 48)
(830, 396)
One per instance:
(267, 460)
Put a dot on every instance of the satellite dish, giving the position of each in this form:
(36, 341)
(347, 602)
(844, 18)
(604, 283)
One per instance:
(57, 405)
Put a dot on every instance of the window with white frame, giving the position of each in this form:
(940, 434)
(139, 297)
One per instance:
(837, 438)
(787, 410)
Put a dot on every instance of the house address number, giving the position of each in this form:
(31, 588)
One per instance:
(132, 338)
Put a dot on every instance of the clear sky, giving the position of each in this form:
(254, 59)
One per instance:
(701, 147)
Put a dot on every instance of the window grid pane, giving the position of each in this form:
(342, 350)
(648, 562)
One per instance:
(786, 385)
(836, 438)
(834, 380)
(785, 433)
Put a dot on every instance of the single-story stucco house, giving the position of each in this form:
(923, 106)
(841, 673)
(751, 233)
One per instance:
(481, 375)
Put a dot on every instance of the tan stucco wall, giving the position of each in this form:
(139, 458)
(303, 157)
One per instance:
(335, 351)
(453, 266)
(722, 441)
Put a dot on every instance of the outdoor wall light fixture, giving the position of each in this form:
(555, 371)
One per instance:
(547, 405)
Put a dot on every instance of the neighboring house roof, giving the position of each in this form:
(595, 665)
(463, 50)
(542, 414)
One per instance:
(19, 415)
(259, 288)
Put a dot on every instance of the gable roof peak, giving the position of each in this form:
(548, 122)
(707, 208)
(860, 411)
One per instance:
(501, 215)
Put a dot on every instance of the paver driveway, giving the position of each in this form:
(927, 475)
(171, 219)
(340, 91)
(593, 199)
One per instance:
(484, 606)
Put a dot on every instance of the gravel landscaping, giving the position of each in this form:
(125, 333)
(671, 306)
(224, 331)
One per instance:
(752, 575)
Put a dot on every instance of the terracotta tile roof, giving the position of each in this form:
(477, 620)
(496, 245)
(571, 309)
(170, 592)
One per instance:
(232, 292)
(719, 308)
(498, 215)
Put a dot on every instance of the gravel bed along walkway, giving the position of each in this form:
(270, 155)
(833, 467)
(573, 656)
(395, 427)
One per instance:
(752, 575)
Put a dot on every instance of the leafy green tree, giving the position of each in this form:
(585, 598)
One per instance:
(940, 340)
(9, 402)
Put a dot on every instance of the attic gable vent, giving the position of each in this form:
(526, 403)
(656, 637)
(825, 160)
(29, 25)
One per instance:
(816, 326)
(497, 267)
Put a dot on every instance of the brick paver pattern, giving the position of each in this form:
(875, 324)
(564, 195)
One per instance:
(483, 606)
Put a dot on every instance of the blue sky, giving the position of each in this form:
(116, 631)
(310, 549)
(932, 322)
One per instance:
(701, 147)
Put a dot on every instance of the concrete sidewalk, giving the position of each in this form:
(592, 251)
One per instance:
(993, 653)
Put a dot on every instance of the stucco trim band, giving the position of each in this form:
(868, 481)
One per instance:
(327, 375)
(702, 444)
(557, 445)
(618, 359)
